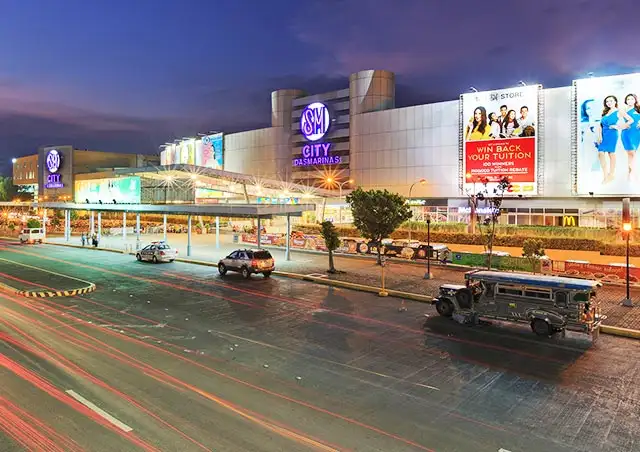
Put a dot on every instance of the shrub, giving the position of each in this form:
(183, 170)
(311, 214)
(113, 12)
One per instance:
(32, 223)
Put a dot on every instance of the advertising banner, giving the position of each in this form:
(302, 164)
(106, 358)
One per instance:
(212, 151)
(606, 273)
(499, 131)
(124, 190)
(207, 152)
(608, 135)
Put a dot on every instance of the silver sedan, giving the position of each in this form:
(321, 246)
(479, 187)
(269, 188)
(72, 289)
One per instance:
(157, 252)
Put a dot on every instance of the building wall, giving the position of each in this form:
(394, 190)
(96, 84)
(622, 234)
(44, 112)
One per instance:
(25, 170)
(395, 148)
(263, 153)
(90, 161)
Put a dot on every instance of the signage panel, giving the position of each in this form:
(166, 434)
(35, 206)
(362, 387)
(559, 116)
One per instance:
(314, 125)
(124, 190)
(499, 130)
(607, 117)
(207, 151)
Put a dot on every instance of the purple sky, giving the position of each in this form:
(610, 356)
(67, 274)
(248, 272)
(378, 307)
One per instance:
(129, 75)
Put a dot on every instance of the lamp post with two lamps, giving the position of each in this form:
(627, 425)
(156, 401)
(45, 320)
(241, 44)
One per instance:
(420, 181)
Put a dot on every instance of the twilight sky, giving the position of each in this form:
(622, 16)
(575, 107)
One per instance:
(128, 75)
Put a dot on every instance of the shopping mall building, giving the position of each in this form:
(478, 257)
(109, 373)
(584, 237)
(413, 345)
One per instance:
(567, 166)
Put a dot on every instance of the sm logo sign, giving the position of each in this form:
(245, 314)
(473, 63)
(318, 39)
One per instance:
(569, 221)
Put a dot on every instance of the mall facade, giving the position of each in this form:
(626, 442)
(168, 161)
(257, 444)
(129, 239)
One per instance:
(567, 166)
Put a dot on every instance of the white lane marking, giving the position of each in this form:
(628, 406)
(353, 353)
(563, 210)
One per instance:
(503, 450)
(121, 425)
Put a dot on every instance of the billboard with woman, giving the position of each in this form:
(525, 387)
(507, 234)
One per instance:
(500, 133)
(608, 135)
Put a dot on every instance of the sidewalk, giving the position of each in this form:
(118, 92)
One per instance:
(400, 276)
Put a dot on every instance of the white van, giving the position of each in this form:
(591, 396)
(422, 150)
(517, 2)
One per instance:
(32, 235)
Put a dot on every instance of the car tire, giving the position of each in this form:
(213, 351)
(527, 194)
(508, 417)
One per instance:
(154, 260)
(445, 308)
(139, 257)
(222, 269)
(266, 274)
(246, 274)
(541, 328)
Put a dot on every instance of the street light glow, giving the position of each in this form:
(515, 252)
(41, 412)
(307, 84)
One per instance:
(329, 180)
(423, 181)
(14, 160)
(626, 227)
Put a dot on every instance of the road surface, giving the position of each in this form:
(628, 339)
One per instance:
(173, 357)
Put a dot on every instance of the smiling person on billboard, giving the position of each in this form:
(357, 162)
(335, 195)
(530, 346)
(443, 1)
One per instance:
(612, 122)
(608, 117)
(478, 128)
(631, 133)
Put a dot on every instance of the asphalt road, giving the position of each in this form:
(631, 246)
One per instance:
(180, 359)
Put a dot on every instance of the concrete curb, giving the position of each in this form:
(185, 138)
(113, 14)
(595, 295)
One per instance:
(57, 293)
(110, 250)
(354, 286)
(621, 332)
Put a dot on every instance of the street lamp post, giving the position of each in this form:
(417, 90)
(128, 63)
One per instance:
(421, 181)
(626, 231)
(428, 274)
(331, 181)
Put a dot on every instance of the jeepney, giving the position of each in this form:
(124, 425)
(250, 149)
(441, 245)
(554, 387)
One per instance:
(550, 304)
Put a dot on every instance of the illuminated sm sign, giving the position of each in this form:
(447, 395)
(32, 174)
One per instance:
(315, 120)
(53, 161)
(314, 125)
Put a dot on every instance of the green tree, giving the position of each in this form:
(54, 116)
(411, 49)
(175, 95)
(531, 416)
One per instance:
(533, 250)
(331, 241)
(489, 196)
(377, 213)
(32, 223)
(8, 191)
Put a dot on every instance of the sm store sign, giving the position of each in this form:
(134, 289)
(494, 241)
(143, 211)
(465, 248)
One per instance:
(314, 125)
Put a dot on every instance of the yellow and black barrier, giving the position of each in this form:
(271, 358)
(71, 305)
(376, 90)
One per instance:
(56, 293)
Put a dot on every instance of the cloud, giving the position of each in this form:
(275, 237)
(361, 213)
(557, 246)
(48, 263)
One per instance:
(418, 38)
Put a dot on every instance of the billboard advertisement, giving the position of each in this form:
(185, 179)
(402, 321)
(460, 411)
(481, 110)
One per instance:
(607, 117)
(122, 190)
(212, 151)
(207, 151)
(499, 130)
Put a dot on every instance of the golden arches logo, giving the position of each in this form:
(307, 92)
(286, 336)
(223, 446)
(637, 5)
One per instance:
(569, 221)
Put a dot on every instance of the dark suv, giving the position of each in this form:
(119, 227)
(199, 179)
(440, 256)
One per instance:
(247, 262)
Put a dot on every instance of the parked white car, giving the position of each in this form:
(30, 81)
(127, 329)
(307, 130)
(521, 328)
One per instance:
(31, 235)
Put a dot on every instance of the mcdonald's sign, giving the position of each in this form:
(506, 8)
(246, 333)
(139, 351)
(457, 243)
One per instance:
(569, 221)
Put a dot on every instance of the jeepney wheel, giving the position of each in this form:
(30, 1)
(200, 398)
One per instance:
(444, 308)
(541, 328)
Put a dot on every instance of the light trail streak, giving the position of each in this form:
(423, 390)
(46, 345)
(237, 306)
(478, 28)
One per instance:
(30, 432)
(71, 367)
(59, 395)
(150, 370)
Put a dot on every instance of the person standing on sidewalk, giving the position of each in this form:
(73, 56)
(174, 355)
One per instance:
(83, 238)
